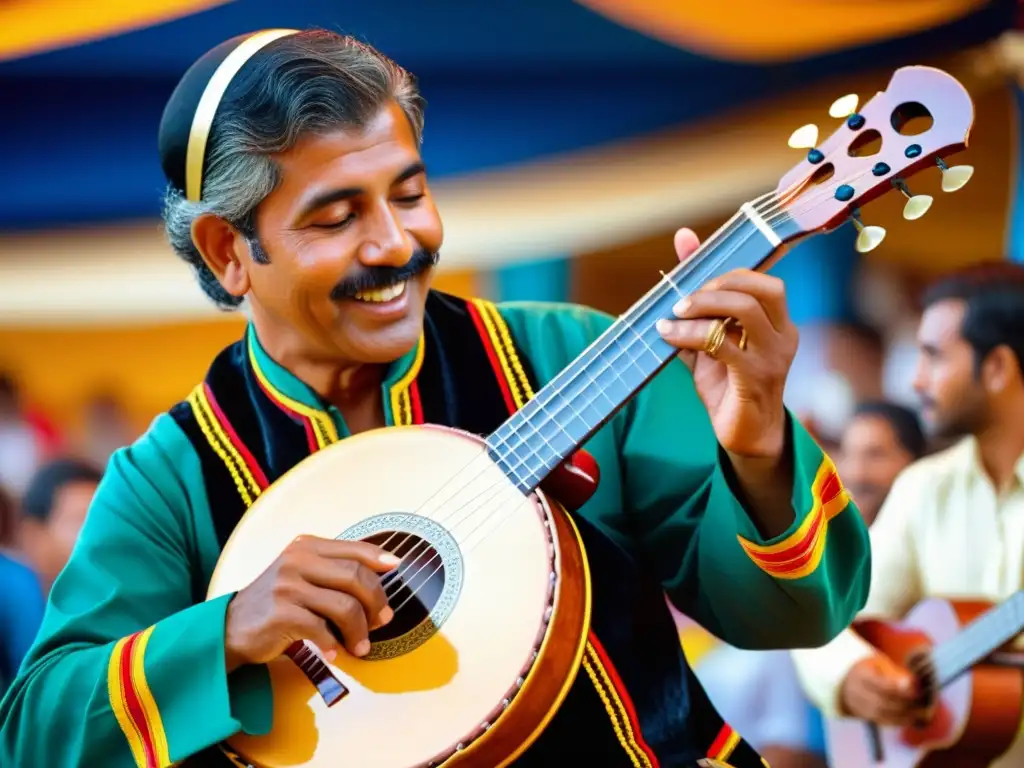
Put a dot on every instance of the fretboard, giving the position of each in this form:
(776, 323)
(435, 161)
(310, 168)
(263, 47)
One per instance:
(980, 638)
(591, 389)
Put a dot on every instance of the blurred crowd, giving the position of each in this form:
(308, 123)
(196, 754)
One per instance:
(898, 386)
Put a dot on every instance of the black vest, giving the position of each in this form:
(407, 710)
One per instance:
(635, 702)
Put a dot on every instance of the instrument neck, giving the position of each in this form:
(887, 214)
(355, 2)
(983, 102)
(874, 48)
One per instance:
(579, 400)
(979, 639)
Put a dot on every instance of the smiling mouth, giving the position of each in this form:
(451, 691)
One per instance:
(381, 295)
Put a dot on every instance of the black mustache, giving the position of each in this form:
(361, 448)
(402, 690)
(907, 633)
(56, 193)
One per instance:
(372, 278)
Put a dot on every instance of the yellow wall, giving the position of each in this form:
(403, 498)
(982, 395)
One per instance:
(149, 367)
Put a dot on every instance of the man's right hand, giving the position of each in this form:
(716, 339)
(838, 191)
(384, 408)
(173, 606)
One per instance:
(315, 583)
(880, 691)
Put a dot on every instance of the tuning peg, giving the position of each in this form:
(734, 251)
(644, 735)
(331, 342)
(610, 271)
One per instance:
(868, 238)
(844, 106)
(804, 137)
(956, 177)
(917, 205)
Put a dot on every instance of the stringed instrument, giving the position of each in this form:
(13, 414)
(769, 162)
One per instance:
(978, 696)
(492, 598)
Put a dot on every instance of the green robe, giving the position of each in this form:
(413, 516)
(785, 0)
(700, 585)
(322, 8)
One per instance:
(128, 610)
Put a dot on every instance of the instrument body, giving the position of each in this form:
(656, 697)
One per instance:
(977, 715)
(512, 613)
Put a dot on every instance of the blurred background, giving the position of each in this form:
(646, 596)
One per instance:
(566, 140)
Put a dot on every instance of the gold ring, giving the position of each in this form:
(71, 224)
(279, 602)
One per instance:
(716, 336)
(718, 332)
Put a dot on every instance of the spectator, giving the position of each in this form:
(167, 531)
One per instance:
(20, 448)
(54, 506)
(21, 599)
(106, 428)
(881, 439)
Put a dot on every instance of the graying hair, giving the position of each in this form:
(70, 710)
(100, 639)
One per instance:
(308, 83)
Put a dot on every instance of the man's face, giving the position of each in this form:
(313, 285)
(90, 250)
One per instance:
(50, 543)
(870, 457)
(352, 209)
(953, 400)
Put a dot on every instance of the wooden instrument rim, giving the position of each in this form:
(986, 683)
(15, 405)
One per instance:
(581, 648)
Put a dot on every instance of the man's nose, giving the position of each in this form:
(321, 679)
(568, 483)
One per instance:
(387, 243)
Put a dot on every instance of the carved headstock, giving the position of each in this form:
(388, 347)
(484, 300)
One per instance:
(923, 116)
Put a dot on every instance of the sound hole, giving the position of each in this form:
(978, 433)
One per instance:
(911, 118)
(413, 587)
(866, 143)
(423, 589)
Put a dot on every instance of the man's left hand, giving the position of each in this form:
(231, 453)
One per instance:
(741, 388)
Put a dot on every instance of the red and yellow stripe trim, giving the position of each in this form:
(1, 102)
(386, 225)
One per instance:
(617, 704)
(515, 385)
(724, 745)
(406, 407)
(245, 471)
(133, 704)
(799, 554)
(320, 427)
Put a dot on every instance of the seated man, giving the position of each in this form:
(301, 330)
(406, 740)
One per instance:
(297, 186)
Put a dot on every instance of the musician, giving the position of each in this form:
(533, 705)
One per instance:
(953, 523)
(306, 199)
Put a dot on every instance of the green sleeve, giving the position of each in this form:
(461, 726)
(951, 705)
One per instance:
(128, 667)
(661, 459)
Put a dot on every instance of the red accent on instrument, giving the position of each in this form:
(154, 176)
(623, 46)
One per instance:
(573, 482)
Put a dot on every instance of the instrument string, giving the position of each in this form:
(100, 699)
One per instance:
(404, 572)
(485, 460)
(774, 217)
(691, 264)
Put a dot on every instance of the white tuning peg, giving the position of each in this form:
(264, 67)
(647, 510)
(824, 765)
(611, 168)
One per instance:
(917, 205)
(804, 137)
(844, 106)
(868, 238)
(956, 177)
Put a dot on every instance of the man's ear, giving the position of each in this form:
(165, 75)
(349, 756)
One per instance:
(1000, 370)
(223, 249)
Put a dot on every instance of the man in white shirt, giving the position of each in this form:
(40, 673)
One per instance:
(953, 523)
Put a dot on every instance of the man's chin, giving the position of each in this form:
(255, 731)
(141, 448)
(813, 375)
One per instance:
(381, 344)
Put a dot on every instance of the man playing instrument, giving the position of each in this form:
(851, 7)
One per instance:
(952, 525)
(297, 187)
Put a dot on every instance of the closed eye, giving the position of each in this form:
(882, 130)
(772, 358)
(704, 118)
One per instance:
(336, 224)
(409, 199)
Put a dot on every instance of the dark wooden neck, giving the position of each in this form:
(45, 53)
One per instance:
(979, 639)
(566, 412)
